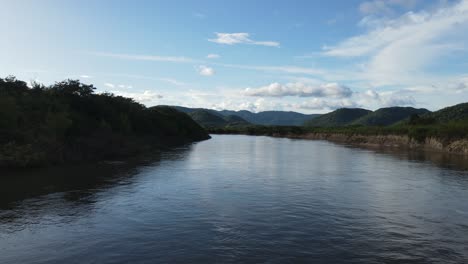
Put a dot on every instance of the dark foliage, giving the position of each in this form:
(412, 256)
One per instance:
(69, 122)
(210, 119)
(389, 116)
(267, 118)
(339, 117)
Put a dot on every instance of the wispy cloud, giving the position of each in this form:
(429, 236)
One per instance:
(205, 70)
(180, 59)
(212, 56)
(284, 68)
(109, 85)
(121, 86)
(85, 76)
(300, 90)
(199, 15)
(240, 38)
(171, 81)
(397, 51)
(385, 6)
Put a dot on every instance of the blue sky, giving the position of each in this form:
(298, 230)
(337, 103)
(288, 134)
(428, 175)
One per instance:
(304, 56)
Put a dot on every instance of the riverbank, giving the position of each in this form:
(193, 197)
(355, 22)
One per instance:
(442, 138)
(458, 146)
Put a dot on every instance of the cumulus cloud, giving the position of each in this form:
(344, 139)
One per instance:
(212, 56)
(205, 70)
(240, 38)
(300, 90)
(386, 99)
(142, 97)
(258, 105)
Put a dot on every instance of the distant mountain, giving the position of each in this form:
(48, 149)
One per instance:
(277, 118)
(388, 116)
(339, 117)
(457, 112)
(209, 118)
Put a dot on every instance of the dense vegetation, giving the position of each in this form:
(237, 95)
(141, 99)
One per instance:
(277, 118)
(419, 132)
(447, 124)
(389, 116)
(357, 116)
(209, 119)
(340, 117)
(457, 112)
(67, 121)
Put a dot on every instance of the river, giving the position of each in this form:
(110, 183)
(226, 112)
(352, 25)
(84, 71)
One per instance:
(241, 199)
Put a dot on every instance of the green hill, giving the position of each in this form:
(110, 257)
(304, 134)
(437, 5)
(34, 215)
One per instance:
(457, 112)
(67, 122)
(340, 117)
(210, 118)
(388, 116)
(276, 118)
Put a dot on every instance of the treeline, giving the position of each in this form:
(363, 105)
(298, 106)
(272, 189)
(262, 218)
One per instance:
(68, 121)
(417, 128)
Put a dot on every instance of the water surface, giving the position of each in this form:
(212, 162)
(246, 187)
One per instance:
(243, 199)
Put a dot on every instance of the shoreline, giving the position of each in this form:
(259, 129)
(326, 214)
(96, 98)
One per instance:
(454, 146)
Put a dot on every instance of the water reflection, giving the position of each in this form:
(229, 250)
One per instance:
(66, 192)
(242, 199)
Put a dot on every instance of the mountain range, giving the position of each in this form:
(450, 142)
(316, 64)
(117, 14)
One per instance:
(274, 118)
(340, 117)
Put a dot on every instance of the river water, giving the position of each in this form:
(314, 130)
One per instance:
(241, 199)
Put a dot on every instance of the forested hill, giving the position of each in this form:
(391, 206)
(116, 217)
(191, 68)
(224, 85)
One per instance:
(67, 121)
(210, 119)
(357, 116)
(340, 117)
(457, 112)
(389, 116)
(276, 118)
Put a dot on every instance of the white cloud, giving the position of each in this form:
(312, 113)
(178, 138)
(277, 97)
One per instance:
(385, 99)
(171, 81)
(240, 38)
(285, 69)
(300, 90)
(213, 56)
(123, 86)
(398, 51)
(109, 85)
(384, 6)
(205, 70)
(180, 59)
(258, 105)
(85, 76)
(323, 104)
(142, 97)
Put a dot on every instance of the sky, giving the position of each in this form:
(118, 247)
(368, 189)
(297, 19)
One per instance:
(303, 56)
